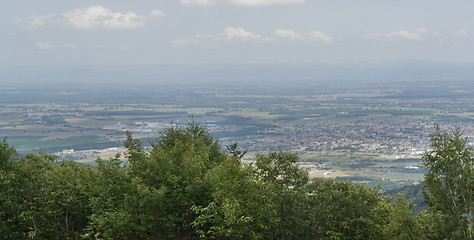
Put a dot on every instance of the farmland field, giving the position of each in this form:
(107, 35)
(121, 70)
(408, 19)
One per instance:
(371, 127)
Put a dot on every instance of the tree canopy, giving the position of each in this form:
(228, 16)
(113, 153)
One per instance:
(187, 186)
(450, 182)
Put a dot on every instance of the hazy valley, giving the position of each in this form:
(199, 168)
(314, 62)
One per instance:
(365, 122)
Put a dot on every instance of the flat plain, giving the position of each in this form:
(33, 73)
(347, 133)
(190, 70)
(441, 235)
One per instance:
(369, 127)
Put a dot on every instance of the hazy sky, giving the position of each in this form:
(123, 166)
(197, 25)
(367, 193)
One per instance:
(109, 32)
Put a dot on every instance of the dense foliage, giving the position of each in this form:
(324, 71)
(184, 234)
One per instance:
(186, 187)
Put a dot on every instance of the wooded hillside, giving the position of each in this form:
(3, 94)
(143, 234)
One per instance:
(187, 187)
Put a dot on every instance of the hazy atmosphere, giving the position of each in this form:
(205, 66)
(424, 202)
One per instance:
(107, 32)
(237, 119)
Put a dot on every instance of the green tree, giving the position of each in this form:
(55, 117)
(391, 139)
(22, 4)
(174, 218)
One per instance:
(65, 206)
(175, 167)
(31, 190)
(402, 225)
(8, 196)
(7, 154)
(450, 182)
(282, 174)
(342, 210)
(117, 202)
(242, 206)
(40, 199)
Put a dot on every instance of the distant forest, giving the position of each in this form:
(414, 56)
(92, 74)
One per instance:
(187, 187)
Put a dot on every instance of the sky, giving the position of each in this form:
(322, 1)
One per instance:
(147, 32)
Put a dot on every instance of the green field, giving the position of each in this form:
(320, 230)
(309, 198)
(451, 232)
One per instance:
(31, 143)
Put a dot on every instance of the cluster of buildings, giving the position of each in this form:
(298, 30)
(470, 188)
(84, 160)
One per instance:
(406, 138)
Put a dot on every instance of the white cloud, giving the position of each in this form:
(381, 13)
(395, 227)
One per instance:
(91, 18)
(229, 35)
(460, 33)
(35, 21)
(49, 46)
(233, 34)
(263, 2)
(43, 46)
(417, 34)
(198, 2)
(71, 46)
(100, 17)
(246, 3)
(154, 14)
(240, 34)
(414, 35)
(320, 36)
(292, 35)
(196, 39)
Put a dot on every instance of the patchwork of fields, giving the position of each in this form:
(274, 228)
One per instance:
(367, 131)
